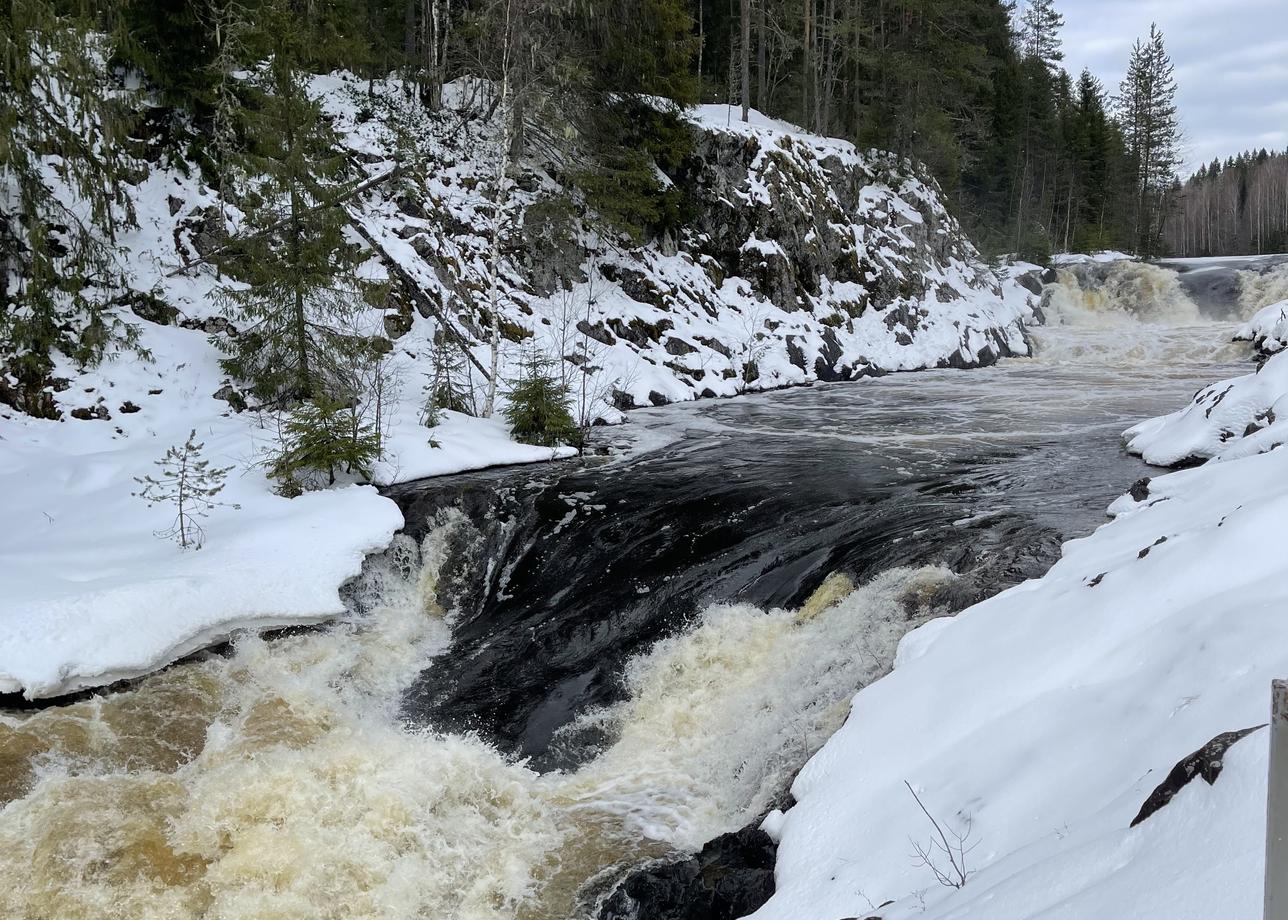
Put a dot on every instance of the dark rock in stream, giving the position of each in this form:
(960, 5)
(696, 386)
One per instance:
(731, 877)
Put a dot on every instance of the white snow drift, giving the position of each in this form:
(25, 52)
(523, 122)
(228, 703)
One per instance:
(1234, 418)
(1040, 720)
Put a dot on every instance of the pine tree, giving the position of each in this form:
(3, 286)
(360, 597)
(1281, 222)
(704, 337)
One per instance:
(539, 406)
(61, 199)
(298, 291)
(190, 484)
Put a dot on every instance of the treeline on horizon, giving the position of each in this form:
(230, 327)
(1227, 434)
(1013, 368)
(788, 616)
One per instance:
(1032, 159)
(1239, 207)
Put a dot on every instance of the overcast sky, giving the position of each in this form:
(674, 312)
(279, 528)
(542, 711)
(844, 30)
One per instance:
(1231, 60)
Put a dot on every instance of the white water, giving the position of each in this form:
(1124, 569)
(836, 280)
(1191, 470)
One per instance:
(1260, 289)
(279, 782)
(1128, 293)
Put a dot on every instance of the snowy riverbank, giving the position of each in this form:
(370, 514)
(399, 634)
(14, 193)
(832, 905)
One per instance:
(1042, 719)
(869, 274)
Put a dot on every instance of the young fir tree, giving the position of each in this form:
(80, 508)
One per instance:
(61, 199)
(539, 410)
(448, 386)
(299, 291)
(190, 484)
(323, 435)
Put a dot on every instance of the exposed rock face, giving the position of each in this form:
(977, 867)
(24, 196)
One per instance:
(1207, 762)
(804, 260)
(731, 877)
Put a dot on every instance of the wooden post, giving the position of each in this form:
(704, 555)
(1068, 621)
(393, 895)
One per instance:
(1277, 806)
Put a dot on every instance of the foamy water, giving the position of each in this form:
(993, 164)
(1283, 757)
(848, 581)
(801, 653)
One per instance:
(279, 782)
(1117, 294)
(1260, 289)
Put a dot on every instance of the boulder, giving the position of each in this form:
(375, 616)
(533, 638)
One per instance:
(1207, 762)
(731, 877)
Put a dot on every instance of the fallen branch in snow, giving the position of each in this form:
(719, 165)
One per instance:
(414, 289)
(330, 202)
(956, 850)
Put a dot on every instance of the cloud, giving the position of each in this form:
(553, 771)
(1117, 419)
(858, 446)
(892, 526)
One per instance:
(1231, 60)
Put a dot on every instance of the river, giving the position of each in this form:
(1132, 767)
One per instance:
(557, 673)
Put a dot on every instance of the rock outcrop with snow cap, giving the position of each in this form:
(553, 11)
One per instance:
(804, 260)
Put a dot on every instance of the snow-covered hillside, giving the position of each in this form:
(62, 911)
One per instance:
(1038, 723)
(806, 260)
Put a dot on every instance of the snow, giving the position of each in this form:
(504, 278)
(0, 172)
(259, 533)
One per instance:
(1078, 258)
(1231, 419)
(91, 594)
(1046, 715)
(1268, 328)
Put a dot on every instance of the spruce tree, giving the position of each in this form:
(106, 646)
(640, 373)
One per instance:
(191, 485)
(1040, 33)
(539, 406)
(296, 293)
(61, 199)
(323, 435)
(1151, 129)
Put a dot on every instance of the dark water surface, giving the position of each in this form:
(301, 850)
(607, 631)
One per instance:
(760, 498)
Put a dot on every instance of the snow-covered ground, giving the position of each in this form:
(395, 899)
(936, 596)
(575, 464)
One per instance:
(92, 595)
(1041, 720)
(1268, 328)
(1078, 258)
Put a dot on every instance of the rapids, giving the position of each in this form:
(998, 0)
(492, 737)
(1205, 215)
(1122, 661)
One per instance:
(667, 635)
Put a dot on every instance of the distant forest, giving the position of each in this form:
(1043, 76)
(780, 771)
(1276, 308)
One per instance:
(1239, 207)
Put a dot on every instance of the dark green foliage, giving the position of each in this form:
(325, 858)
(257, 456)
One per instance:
(621, 181)
(174, 43)
(299, 294)
(323, 436)
(539, 408)
(58, 273)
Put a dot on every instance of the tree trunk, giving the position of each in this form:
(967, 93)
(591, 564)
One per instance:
(762, 74)
(745, 55)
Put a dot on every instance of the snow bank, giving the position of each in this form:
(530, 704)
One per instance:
(1234, 418)
(1268, 328)
(1078, 258)
(91, 595)
(1045, 716)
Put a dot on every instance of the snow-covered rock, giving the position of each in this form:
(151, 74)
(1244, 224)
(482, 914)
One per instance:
(1042, 720)
(91, 593)
(805, 259)
(1234, 418)
(1268, 329)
